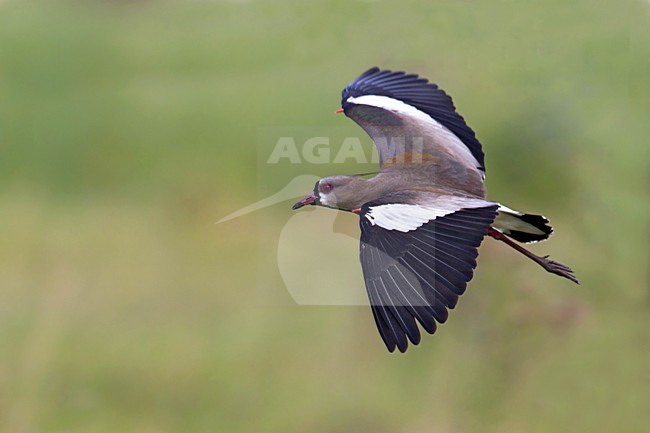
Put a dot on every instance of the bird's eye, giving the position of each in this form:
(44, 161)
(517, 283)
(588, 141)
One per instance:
(325, 187)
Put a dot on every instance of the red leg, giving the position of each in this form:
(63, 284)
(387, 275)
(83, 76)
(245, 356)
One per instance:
(550, 265)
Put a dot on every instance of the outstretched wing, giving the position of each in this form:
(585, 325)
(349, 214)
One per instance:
(412, 122)
(417, 261)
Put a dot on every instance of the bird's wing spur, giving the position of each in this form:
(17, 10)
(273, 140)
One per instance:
(412, 122)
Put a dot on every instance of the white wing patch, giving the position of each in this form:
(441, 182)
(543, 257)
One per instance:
(391, 104)
(437, 130)
(407, 217)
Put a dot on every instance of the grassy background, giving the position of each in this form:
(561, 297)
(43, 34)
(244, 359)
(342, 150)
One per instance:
(128, 127)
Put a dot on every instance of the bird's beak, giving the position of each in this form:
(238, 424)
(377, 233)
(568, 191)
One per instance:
(310, 199)
(339, 111)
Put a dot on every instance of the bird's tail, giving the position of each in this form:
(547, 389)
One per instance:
(522, 227)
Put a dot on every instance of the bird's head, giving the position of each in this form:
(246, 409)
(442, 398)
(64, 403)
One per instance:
(336, 192)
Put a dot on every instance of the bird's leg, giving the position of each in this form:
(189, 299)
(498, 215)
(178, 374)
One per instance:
(550, 265)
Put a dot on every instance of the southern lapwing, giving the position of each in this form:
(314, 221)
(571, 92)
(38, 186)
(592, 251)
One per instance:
(425, 213)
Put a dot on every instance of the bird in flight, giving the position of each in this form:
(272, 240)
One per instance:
(425, 213)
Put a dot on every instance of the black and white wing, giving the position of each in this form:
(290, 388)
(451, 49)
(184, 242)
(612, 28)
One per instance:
(417, 260)
(411, 121)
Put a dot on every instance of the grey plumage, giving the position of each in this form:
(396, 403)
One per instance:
(423, 216)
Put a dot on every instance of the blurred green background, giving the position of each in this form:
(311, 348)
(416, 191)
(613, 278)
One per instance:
(127, 128)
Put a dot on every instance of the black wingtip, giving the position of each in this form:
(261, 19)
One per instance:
(370, 71)
(419, 93)
(448, 243)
